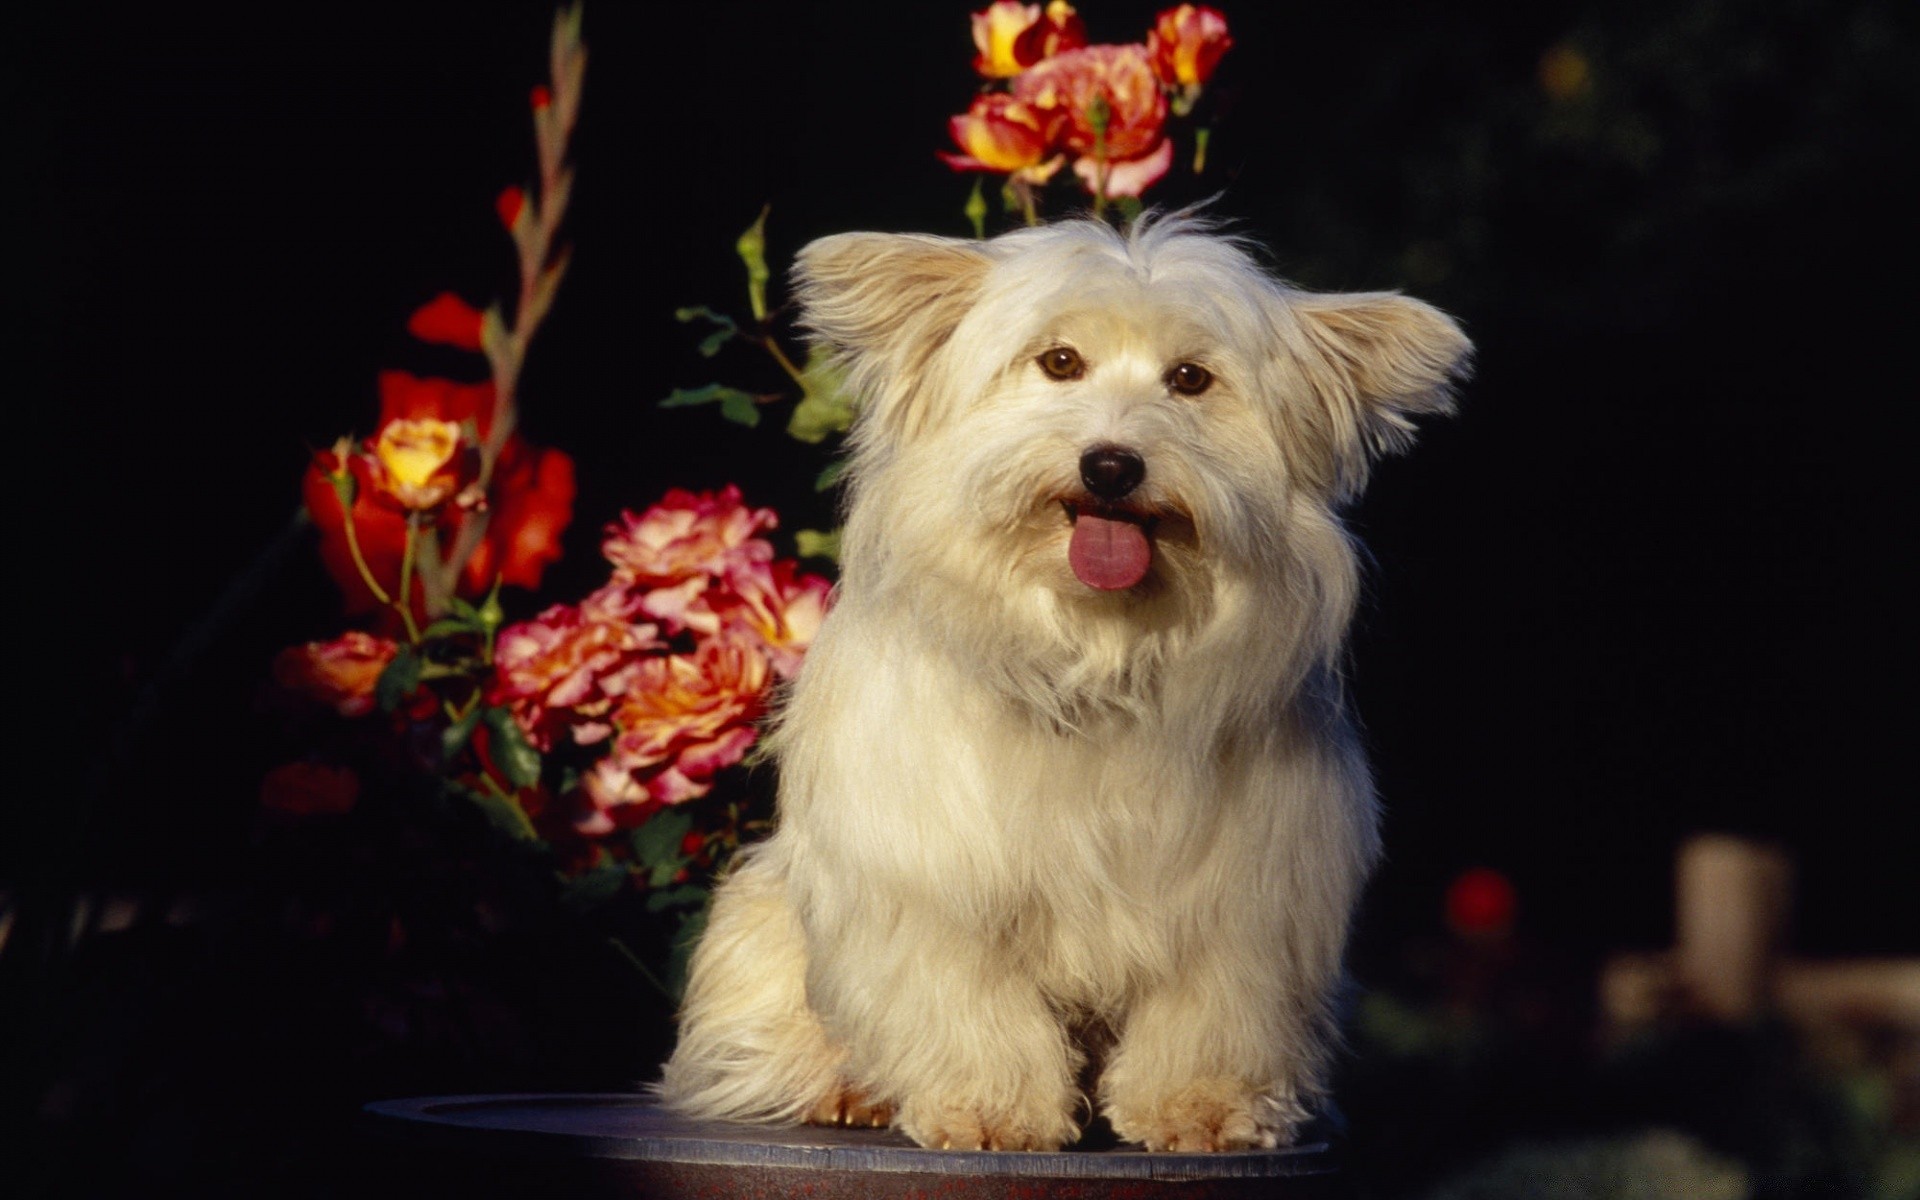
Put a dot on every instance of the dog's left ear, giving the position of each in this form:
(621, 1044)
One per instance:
(1376, 360)
(887, 303)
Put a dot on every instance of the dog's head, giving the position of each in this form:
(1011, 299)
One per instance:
(1096, 428)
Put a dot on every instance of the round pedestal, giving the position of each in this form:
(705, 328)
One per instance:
(623, 1145)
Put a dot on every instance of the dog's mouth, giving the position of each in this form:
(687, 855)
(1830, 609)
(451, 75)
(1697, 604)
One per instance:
(1112, 545)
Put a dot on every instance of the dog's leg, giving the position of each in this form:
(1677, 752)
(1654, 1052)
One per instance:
(964, 1045)
(1229, 1048)
(750, 1048)
(1206, 1062)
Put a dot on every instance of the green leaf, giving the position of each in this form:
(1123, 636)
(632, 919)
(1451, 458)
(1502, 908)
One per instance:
(398, 681)
(685, 896)
(742, 408)
(448, 626)
(589, 891)
(454, 738)
(656, 845)
(825, 406)
(976, 209)
(752, 248)
(510, 750)
(812, 543)
(700, 312)
(463, 608)
(503, 814)
(830, 476)
(711, 344)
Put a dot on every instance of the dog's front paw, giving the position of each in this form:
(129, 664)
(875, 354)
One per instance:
(847, 1106)
(943, 1125)
(1210, 1114)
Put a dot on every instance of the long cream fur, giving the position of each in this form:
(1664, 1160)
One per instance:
(1043, 849)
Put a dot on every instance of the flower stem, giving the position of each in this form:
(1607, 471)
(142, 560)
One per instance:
(359, 559)
(405, 604)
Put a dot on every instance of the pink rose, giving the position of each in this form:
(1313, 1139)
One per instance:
(553, 672)
(685, 534)
(682, 719)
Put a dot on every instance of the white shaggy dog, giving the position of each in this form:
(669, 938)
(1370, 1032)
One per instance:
(1069, 796)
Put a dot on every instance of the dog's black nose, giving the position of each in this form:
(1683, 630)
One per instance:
(1111, 473)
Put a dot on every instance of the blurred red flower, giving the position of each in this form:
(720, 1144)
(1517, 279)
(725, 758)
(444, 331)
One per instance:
(447, 319)
(1481, 902)
(309, 789)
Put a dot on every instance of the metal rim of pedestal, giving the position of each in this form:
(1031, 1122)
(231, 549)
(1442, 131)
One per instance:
(631, 1127)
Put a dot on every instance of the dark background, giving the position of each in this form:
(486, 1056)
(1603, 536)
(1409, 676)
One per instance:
(1651, 581)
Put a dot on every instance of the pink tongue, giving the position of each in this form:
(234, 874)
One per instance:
(1107, 554)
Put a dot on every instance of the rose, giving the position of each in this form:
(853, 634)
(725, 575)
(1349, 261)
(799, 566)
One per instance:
(560, 672)
(1011, 36)
(340, 673)
(1115, 114)
(1186, 44)
(1081, 83)
(776, 606)
(681, 719)
(1000, 133)
(686, 534)
(529, 499)
(421, 463)
(1129, 177)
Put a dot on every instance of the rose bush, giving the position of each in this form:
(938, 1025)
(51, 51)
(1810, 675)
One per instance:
(603, 735)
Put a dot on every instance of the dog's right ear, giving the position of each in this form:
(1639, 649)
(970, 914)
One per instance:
(887, 303)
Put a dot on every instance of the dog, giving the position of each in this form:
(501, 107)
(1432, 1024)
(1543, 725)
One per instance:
(1072, 814)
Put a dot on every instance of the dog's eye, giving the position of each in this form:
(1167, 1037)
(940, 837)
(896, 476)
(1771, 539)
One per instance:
(1061, 362)
(1189, 379)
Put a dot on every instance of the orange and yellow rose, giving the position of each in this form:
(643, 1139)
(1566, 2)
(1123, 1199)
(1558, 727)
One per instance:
(1010, 36)
(1186, 43)
(422, 463)
(1000, 133)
